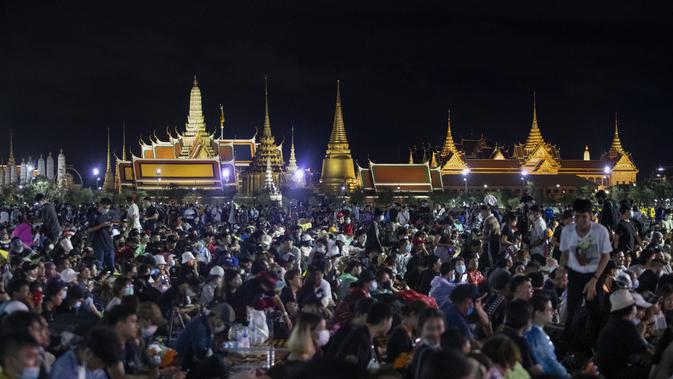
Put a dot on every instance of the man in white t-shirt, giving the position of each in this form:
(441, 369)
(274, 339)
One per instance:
(133, 214)
(538, 234)
(585, 251)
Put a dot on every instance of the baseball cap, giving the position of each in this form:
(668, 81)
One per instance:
(640, 300)
(159, 260)
(69, 275)
(217, 271)
(187, 256)
(621, 299)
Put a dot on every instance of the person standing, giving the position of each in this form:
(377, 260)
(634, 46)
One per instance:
(133, 214)
(100, 227)
(50, 225)
(538, 233)
(626, 236)
(490, 234)
(585, 251)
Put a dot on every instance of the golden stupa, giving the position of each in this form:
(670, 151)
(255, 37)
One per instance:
(338, 170)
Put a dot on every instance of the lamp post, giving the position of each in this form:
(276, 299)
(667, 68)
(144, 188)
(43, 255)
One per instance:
(96, 173)
(158, 171)
(524, 174)
(466, 172)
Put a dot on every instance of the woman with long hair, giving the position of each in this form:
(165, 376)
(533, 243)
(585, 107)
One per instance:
(308, 337)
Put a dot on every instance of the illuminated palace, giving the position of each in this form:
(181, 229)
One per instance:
(197, 159)
(478, 165)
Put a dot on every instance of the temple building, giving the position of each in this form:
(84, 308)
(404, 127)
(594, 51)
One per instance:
(198, 159)
(13, 174)
(338, 174)
(479, 165)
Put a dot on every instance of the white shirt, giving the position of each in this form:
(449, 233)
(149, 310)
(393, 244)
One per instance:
(584, 253)
(134, 213)
(538, 233)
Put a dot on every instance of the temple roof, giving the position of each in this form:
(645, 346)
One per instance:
(534, 136)
(449, 146)
(513, 181)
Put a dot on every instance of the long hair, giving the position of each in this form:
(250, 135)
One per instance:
(300, 341)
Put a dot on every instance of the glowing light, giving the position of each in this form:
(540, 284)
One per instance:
(558, 185)
(606, 169)
(193, 188)
(225, 173)
(29, 168)
(524, 173)
(100, 188)
(158, 171)
(466, 171)
(298, 175)
(96, 172)
(485, 185)
(660, 169)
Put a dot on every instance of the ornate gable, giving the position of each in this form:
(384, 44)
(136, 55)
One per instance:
(455, 164)
(541, 161)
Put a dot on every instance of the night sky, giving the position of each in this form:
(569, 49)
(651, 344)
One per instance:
(69, 71)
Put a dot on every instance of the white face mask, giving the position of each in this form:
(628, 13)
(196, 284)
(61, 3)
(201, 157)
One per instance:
(149, 331)
(127, 291)
(460, 269)
(323, 338)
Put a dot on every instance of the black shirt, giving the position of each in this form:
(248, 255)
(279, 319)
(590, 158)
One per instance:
(618, 340)
(627, 236)
(399, 342)
(101, 240)
(358, 344)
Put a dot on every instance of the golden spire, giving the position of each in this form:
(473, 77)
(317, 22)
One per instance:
(338, 169)
(449, 146)
(616, 147)
(10, 159)
(411, 157)
(433, 160)
(535, 136)
(587, 154)
(195, 82)
(108, 181)
(195, 121)
(266, 132)
(338, 139)
(221, 122)
(292, 163)
(124, 141)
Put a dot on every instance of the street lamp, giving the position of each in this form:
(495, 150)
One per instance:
(98, 181)
(466, 172)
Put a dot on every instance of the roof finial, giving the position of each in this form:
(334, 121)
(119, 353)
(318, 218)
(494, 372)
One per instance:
(221, 122)
(266, 132)
(338, 139)
(195, 82)
(11, 159)
(616, 147)
(449, 145)
(123, 140)
(535, 136)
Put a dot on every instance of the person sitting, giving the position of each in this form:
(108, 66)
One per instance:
(619, 340)
(431, 327)
(194, 343)
(442, 285)
(19, 356)
(90, 358)
(541, 346)
(443, 364)
(521, 288)
(358, 347)
(401, 339)
(518, 320)
(20, 297)
(308, 337)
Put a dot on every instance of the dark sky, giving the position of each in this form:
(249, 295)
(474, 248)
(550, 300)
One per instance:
(70, 70)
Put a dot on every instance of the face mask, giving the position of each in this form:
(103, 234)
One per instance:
(407, 248)
(30, 373)
(374, 286)
(77, 305)
(381, 218)
(127, 291)
(460, 269)
(470, 309)
(323, 338)
(149, 331)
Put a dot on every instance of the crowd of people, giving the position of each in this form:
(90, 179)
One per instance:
(149, 289)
